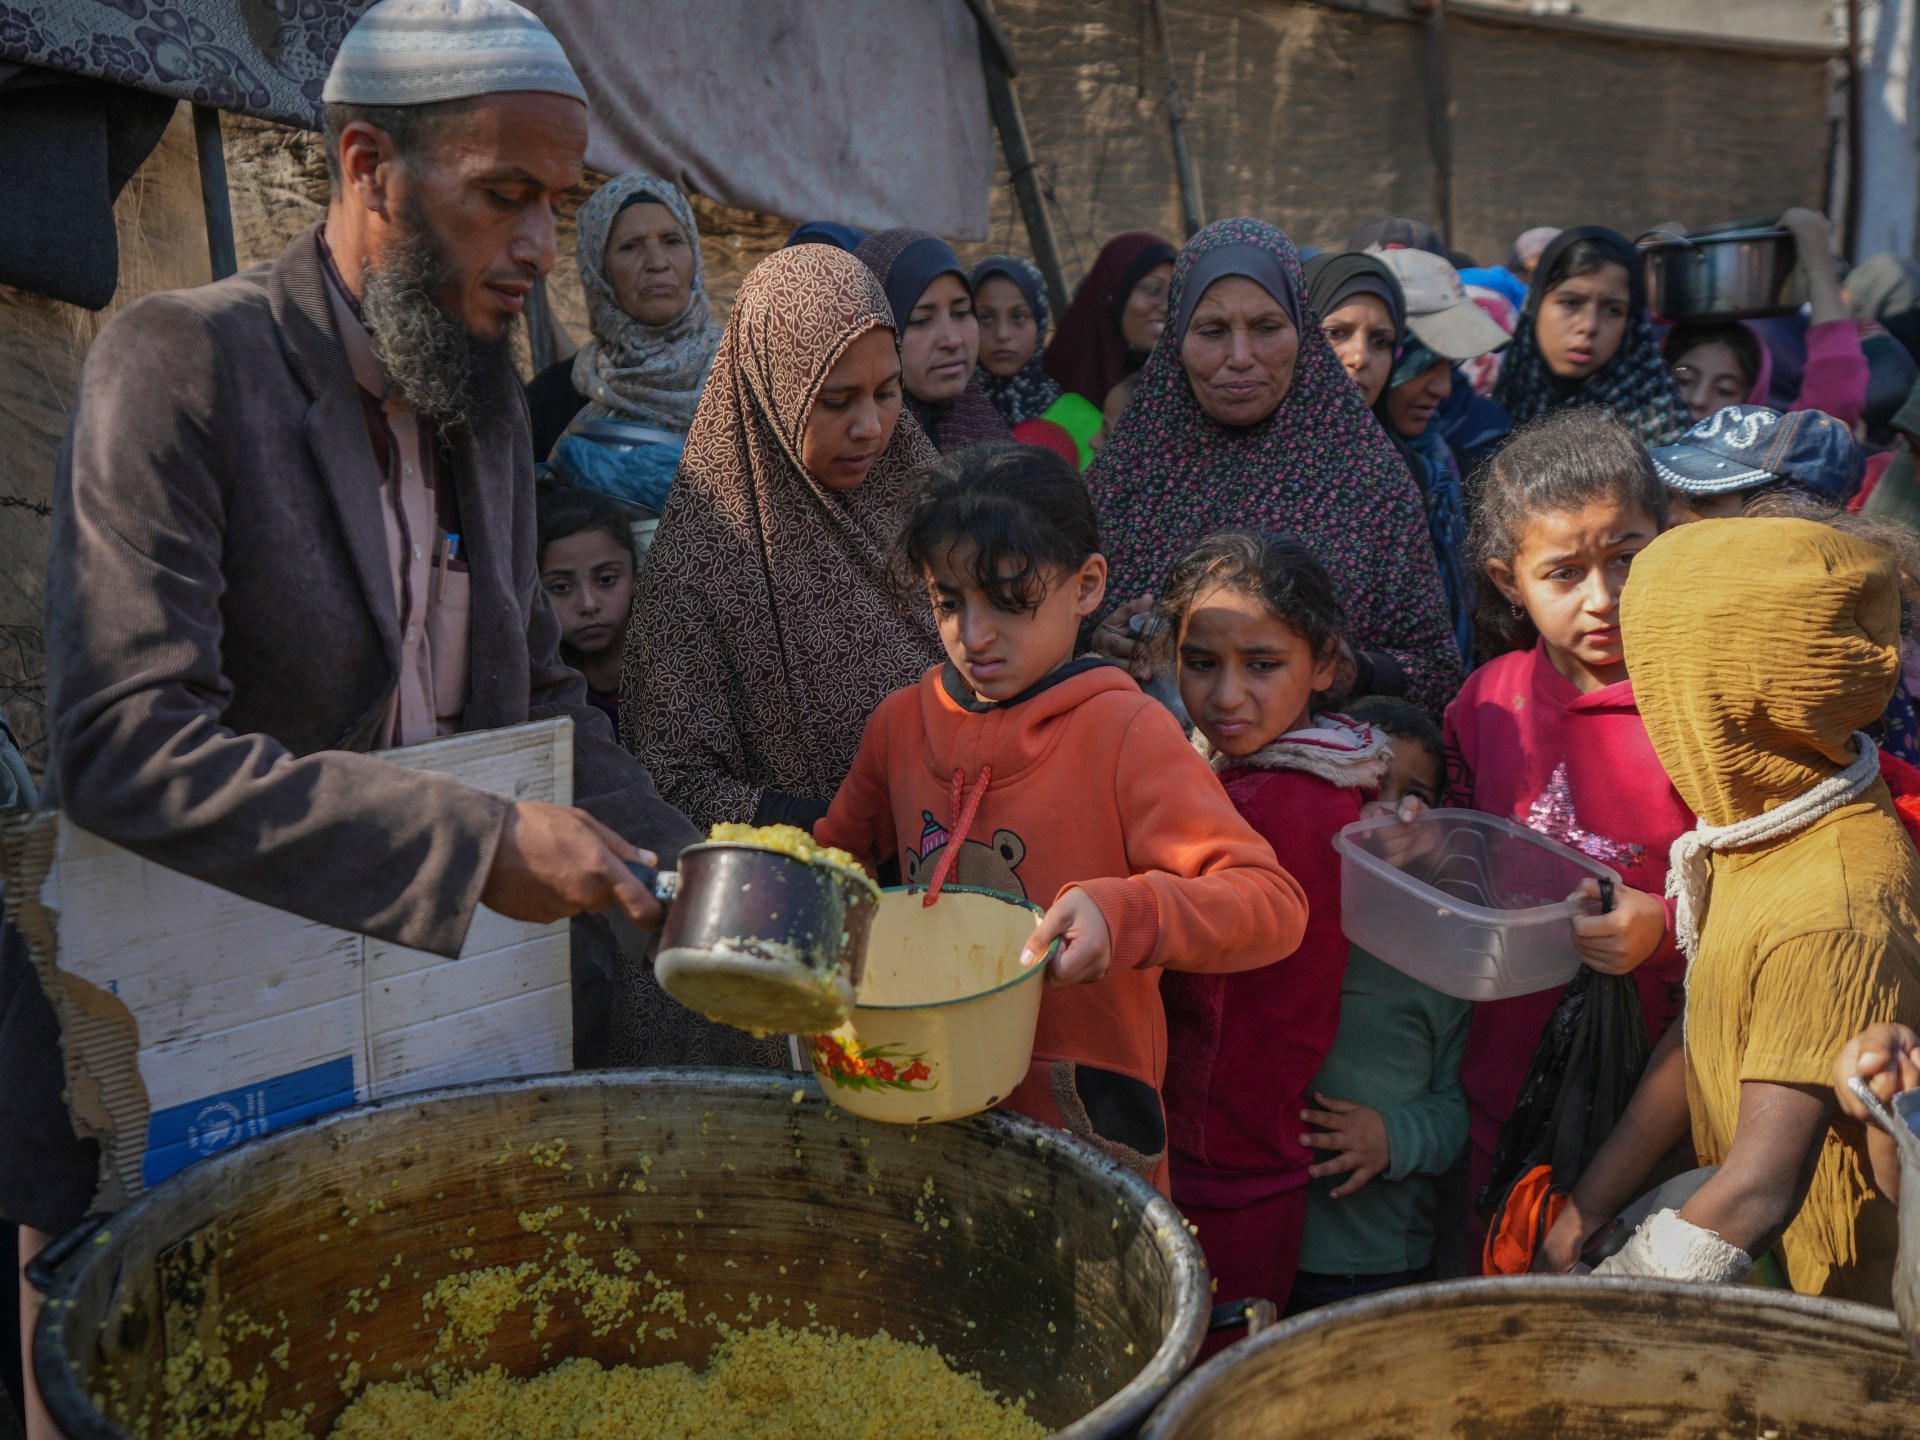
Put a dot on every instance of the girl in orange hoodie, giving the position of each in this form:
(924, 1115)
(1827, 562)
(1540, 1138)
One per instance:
(1019, 768)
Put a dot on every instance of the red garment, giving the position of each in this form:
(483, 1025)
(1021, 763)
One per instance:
(1253, 1250)
(1876, 467)
(1243, 1049)
(1086, 782)
(1903, 783)
(1088, 353)
(1524, 743)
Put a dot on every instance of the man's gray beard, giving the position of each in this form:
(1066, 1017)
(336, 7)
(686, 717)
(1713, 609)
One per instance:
(434, 366)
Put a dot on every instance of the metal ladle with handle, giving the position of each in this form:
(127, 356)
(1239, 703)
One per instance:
(761, 939)
(1898, 1121)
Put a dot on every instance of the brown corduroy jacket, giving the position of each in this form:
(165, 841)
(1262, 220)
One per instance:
(221, 634)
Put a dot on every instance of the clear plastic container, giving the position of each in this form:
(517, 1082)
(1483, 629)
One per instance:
(1472, 904)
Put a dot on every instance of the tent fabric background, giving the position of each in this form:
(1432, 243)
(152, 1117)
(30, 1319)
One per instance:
(869, 112)
(1312, 117)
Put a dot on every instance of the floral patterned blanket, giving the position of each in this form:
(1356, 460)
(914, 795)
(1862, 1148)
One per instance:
(261, 57)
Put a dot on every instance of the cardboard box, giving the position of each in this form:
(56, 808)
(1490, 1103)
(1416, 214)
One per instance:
(193, 1019)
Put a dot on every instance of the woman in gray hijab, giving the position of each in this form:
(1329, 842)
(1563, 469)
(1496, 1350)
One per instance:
(637, 383)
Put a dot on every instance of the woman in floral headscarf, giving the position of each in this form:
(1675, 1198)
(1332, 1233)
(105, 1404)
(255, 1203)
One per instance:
(654, 340)
(1244, 417)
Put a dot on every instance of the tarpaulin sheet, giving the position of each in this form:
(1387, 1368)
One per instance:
(869, 112)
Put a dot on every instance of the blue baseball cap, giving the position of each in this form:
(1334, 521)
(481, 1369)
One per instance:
(1741, 447)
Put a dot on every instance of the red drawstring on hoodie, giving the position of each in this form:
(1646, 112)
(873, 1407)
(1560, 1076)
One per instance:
(960, 813)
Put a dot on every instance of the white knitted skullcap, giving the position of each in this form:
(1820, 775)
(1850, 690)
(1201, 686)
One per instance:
(418, 52)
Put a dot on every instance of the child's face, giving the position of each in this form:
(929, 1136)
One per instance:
(1246, 678)
(589, 578)
(1567, 573)
(1413, 770)
(1001, 653)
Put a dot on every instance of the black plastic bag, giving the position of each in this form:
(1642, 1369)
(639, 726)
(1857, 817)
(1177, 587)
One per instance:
(1583, 1074)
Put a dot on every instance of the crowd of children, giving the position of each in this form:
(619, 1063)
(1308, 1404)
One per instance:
(1308, 1106)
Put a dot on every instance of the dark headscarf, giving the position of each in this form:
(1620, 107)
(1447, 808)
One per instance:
(1089, 354)
(1026, 394)
(1397, 233)
(1333, 280)
(1636, 384)
(826, 232)
(907, 262)
(1319, 467)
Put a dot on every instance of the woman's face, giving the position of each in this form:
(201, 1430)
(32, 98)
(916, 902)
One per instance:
(941, 343)
(855, 413)
(1412, 404)
(1144, 315)
(649, 263)
(1583, 320)
(1362, 335)
(1711, 377)
(1009, 330)
(1239, 351)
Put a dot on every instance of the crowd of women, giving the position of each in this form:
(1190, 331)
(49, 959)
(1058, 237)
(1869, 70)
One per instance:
(1362, 521)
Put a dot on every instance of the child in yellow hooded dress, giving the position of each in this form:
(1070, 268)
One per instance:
(1759, 649)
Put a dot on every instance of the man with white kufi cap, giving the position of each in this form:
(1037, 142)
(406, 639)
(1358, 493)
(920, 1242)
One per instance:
(294, 525)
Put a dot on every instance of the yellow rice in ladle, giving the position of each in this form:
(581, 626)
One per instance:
(771, 1383)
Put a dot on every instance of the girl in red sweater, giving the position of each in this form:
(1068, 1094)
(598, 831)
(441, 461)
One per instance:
(1548, 733)
(1018, 768)
(1255, 626)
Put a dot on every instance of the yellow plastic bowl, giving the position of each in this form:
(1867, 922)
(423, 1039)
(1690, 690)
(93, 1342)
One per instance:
(943, 1024)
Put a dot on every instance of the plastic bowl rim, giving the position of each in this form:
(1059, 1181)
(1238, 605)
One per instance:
(1029, 973)
(1401, 880)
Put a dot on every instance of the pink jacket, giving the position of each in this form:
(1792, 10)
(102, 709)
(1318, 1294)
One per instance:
(1835, 376)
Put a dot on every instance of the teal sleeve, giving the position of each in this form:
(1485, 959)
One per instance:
(1425, 1136)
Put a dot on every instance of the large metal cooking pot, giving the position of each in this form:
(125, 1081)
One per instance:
(1559, 1358)
(1020, 1253)
(1738, 272)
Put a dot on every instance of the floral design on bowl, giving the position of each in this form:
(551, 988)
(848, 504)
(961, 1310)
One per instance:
(882, 1068)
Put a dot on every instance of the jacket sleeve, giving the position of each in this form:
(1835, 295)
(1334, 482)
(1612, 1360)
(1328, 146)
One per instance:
(1206, 893)
(860, 820)
(1425, 1136)
(139, 752)
(1835, 377)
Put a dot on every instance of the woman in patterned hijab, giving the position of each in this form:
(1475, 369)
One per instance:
(1003, 286)
(1586, 338)
(654, 339)
(633, 370)
(1311, 460)
(768, 626)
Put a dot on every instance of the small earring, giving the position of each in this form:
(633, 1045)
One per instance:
(1516, 611)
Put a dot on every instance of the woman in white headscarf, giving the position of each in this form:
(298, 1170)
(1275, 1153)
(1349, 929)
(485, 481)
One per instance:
(635, 385)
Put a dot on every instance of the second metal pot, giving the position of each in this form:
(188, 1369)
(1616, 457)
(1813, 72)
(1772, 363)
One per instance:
(1722, 275)
(761, 940)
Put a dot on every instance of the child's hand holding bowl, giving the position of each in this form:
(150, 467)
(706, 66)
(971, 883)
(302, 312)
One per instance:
(1088, 948)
